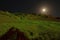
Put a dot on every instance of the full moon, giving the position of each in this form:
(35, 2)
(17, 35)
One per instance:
(44, 10)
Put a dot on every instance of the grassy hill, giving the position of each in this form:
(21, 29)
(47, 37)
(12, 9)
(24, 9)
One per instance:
(30, 24)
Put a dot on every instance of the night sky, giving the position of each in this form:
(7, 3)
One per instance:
(29, 6)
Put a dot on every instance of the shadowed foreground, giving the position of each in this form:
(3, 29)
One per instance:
(14, 34)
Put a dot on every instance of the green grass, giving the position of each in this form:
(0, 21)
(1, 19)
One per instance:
(29, 23)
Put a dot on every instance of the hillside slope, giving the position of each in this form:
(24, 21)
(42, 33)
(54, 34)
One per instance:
(26, 24)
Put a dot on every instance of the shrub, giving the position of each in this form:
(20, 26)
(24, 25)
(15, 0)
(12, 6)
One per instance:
(44, 16)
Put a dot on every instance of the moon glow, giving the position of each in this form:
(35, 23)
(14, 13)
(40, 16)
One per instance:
(44, 10)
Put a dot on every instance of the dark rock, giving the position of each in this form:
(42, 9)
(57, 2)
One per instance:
(14, 34)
